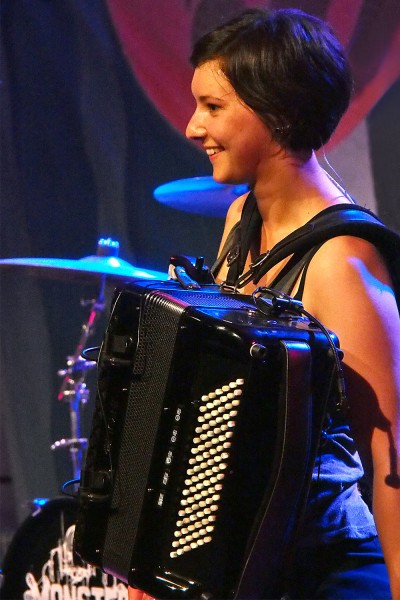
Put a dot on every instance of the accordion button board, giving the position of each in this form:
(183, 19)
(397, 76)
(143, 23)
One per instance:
(202, 441)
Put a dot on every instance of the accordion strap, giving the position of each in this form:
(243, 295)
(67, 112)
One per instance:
(337, 220)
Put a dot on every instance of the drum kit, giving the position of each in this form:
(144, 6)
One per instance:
(39, 562)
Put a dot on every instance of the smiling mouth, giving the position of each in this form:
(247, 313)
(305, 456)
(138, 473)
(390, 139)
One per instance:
(211, 152)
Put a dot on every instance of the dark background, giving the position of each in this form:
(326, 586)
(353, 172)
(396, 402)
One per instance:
(82, 151)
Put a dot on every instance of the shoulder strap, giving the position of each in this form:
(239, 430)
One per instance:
(341, 219)
(296, 267)
(230, 242)
(243, 238)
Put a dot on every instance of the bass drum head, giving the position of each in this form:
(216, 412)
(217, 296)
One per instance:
(39, 563)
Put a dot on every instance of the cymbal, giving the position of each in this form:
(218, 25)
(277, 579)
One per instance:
(199, 195)
(88, 268)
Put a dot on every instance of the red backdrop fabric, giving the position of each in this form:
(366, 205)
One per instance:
(157, 36)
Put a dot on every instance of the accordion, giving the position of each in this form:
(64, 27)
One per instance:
(202, 442)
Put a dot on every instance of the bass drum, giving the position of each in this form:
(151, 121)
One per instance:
(39, 563)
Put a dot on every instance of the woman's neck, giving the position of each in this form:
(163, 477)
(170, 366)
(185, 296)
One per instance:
(292, 192)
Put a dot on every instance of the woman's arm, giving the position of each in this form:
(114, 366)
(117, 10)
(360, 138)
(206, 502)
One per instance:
(348, 288)
(134, 594)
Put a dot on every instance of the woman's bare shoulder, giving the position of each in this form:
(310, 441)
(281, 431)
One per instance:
(235, 209)
(345, 254)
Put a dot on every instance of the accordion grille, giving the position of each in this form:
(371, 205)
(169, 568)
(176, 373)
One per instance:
(207, 466)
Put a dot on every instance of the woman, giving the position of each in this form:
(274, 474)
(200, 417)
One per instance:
(270, 88)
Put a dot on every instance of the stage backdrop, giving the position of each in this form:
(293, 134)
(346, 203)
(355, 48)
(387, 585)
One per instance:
(95, 97)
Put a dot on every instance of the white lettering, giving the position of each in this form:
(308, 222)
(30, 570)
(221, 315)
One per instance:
(56, 592)
(69, 592)
(62, 579)
(98, 593)
(122, 591)
(83, 593)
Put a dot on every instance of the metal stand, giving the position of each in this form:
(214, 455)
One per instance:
(73, 389)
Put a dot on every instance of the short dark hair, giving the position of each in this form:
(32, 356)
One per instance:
(289, 67)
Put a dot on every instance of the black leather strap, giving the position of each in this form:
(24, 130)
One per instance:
(341, 219)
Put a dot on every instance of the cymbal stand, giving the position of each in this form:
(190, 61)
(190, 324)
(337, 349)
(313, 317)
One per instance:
(73, 389)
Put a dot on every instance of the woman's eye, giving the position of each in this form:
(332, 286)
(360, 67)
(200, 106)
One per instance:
(212, 107)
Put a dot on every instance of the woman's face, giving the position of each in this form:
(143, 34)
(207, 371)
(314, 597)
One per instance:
(237, 142)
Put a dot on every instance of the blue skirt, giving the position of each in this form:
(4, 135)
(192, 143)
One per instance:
(352, 569)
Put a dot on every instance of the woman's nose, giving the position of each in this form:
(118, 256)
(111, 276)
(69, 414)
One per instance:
(195, 129)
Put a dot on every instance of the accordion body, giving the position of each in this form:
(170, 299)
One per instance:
(202, 442)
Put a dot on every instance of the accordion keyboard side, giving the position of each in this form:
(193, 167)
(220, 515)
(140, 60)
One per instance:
(140, 336)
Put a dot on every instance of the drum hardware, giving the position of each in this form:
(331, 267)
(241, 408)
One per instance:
(39, 561)
(73, 390)
(103, 267)
(199, 195)
(84, 270)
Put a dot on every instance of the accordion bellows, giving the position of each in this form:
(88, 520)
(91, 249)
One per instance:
(202, 442)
